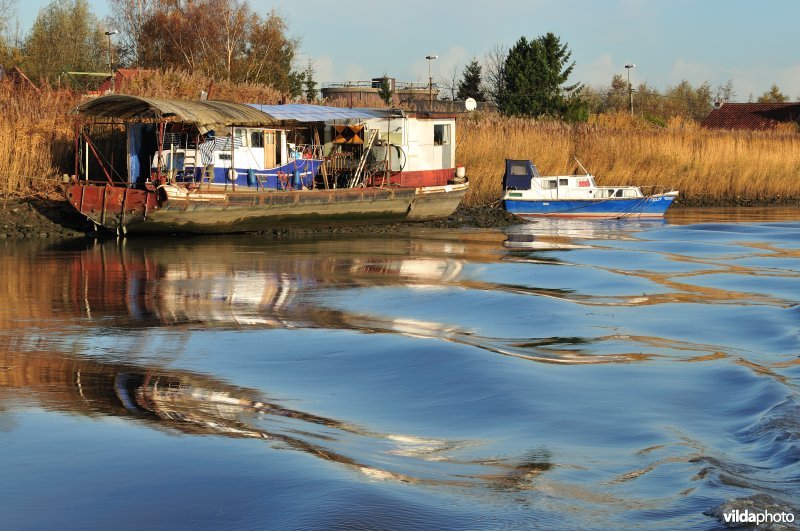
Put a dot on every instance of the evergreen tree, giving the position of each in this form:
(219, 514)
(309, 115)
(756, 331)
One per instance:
(295, 81)
(309, 83)
(385, 90)
(470, 86)
(534, 78)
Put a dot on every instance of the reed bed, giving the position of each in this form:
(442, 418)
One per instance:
(185, 85)
(35, 138)
(706, 166)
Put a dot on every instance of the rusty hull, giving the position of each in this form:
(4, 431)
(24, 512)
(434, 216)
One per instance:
(132, 210)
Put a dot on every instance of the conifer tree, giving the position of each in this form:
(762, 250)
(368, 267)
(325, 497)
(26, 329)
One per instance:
(534, 80)
(470, 86)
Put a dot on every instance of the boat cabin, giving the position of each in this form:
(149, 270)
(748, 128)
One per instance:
(267, 147)
(522, 179)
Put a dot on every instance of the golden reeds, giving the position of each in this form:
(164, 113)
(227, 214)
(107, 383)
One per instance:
(35, 138)
(179, 84)
(706, 166)
(712, 167)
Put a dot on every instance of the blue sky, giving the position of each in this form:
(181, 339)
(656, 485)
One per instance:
(753, 43)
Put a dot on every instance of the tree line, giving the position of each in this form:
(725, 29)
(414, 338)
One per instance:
(229, 40)
(532, 79)
(224, 39)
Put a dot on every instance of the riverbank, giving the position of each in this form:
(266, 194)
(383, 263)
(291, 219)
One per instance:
(51, 217)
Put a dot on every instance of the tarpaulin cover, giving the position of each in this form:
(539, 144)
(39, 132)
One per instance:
(207, 115)
(519, 174)
(300, 112)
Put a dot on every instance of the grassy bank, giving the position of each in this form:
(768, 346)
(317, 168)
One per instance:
(708, 167)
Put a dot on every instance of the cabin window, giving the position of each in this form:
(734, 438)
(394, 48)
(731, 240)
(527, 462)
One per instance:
(441, 134)
(519, 169)
(224, 156)
(619, 193)
(257, 139)
(176, 162)
(563, 182)
(550, 184)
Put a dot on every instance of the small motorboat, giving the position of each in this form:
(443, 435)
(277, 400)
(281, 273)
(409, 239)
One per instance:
(529, 194)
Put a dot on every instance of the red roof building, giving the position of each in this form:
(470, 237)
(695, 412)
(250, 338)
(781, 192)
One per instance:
(121, 75)
(752, 116)
(16, 76)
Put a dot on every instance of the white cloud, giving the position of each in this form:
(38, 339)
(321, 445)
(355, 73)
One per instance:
(323, 69)
(354, 72)
(789, 81)
(597, 73)
(693, 72)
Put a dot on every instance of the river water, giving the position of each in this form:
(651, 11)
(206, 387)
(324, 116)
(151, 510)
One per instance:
(555, 375)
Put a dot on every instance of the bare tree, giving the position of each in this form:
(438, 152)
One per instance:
(494, 63)
(725, 93)
(129, 16)
(6, 14)
(450, 83)
(220, 38)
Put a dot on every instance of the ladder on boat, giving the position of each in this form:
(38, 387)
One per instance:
(355, 180)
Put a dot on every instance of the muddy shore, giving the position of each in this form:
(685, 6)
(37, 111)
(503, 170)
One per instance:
(53, 218)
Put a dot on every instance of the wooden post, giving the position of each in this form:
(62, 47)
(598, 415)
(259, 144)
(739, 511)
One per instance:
(324, 169)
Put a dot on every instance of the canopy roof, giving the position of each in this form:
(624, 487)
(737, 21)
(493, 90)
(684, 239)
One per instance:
(300, 112)
(206, 115)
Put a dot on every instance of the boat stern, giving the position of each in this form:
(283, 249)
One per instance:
(110, 206)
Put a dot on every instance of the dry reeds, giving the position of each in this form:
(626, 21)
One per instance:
(36, 132)
(35, 138)
(179, 84)
(36, 142)
(706, 166)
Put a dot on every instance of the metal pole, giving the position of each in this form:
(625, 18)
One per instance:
(630, 87)
(110, 60)
(430, 81)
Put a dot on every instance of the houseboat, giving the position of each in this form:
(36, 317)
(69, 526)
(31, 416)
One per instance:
(157, 165)
(529, 194)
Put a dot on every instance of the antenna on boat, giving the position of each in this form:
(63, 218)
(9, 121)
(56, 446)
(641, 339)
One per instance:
(581, 165)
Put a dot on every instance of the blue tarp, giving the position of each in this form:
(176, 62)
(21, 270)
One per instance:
(320, 113)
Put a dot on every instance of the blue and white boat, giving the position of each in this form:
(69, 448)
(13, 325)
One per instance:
(529, 194)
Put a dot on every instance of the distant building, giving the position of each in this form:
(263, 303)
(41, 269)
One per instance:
(752, 116)
(365, 93)
(121, 77)
(16, 76)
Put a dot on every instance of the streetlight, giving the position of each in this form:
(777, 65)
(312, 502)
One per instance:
(430, 81)
(110, 62)
(630, 87)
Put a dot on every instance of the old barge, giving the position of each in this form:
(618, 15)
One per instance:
(174, 166)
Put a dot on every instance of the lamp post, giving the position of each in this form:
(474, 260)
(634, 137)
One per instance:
(430, 81)
(630, 87)
(110, 61)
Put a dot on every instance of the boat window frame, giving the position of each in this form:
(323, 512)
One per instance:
(257, 138)
(441, 134)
